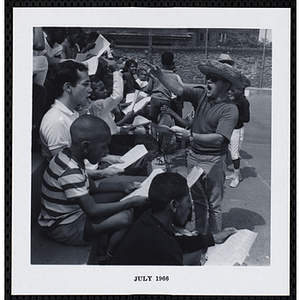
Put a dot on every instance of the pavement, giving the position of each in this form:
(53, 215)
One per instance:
(248, 206)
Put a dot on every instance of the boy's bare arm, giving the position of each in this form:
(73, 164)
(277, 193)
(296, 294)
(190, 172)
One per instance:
(99, 211)
(105, 187)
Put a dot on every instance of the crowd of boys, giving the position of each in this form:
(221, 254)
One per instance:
(85, 125)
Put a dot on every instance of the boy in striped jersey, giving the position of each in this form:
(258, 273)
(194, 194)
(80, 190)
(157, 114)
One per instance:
(71, 212)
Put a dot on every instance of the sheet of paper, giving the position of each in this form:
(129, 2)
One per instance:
(129, 97)
(140, 120)
(92, 64)
(141, 104)
(129, 108)
(194, 175)
(131, 156)
(132, 127)
(176, 128)
(101, 46)
(233, 250)
(144, 189)
(80, 57)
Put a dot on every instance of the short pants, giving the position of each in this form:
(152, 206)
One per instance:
(70, 234)
(236, 142)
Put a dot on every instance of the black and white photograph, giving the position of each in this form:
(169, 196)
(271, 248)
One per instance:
(151, 151)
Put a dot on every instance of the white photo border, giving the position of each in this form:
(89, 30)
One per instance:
(30, 279)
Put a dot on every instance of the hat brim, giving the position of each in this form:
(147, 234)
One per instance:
(227, 61)
(209, 69)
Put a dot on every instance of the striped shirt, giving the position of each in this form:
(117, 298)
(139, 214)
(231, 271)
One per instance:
(64, 181)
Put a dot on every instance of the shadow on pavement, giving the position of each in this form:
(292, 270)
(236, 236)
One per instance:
(247, 172)
(242, 219)
(245, 155)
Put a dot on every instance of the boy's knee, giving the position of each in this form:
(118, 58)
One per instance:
(127, 218)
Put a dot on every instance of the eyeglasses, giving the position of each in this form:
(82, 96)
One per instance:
(214, 78)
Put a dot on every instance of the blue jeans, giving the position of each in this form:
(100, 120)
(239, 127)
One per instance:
(208, 191)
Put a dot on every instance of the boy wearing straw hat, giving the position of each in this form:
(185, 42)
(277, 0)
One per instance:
(215, 118)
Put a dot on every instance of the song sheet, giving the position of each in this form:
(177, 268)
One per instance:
(144, 189)
(129, 97)
(141, 104)
(92, 65)
(233, 250)
(101, 46)
(131, 156)
(129, 108)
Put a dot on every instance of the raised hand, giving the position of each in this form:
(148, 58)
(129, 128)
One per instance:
(112, 159)
(221, 236)
(154, 70)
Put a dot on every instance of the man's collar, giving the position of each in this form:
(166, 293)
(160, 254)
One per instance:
(219, 100)
(62, 107)
(167, 71)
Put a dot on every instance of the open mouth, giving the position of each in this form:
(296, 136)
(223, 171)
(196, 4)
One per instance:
(208, 87)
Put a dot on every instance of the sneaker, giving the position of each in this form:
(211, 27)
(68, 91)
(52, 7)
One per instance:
(235, 182)
(229, 176)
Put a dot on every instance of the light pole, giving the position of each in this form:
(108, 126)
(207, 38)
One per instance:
(263, 61)
(206, 42)
(150, 45)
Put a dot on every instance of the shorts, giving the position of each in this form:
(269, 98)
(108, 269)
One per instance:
(236, 141)
(70, 234)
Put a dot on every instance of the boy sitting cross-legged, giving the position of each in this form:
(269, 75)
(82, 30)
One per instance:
(69, 212)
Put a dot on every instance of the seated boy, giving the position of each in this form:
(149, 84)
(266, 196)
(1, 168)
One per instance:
(151, 240)
(72, 210)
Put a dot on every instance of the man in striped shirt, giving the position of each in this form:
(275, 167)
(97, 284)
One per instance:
(71, 212)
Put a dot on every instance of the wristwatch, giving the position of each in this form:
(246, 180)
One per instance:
(191, 137)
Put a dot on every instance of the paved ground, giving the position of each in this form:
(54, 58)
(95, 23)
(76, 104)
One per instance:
(248, 205)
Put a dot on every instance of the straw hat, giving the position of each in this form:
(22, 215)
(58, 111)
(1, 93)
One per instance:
(225, 71)
(225, 58)
(246, 82)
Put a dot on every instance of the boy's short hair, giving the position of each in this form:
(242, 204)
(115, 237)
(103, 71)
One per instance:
(89, 128)
(93, 36)
(94, 78)
(166, 187)
(167, 58)
(66, 72)
(129, 62)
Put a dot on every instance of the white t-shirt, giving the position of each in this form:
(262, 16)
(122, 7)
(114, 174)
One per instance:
(102, 108)
(55, 128)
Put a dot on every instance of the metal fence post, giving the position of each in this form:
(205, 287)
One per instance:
(263, 61)
(150, 46)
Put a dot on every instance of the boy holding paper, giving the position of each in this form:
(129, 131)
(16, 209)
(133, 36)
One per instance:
(151, 240)
(72, 211)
